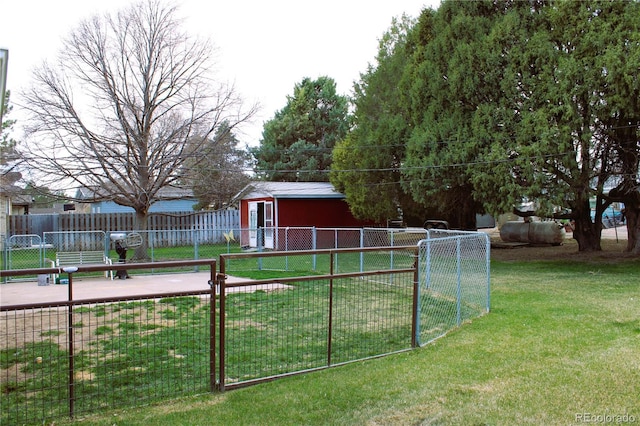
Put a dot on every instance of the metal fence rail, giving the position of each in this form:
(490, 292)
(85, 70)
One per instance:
(119, 222)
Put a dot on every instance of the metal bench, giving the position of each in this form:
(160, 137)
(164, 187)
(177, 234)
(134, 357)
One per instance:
(75, 258)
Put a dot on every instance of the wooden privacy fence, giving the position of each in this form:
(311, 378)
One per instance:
(118, 222)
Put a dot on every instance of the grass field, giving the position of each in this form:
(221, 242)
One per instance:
(560, 346)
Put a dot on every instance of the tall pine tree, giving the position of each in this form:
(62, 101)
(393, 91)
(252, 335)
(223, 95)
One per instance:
(297, 143)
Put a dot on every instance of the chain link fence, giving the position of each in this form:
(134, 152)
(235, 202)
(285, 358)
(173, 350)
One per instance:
(75, 241)
(454, 278)
(33, 251)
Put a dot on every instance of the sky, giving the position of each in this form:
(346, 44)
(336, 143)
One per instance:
(263, 47)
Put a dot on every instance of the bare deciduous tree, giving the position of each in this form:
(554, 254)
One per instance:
(116, 111)
(220, 171)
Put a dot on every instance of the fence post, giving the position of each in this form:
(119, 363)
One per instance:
(212, 328)
(221, 280)
(260, 242)
(361, 246)
(5, 258)
(71, 386)
(459, 281)
(286, 246)
(314, 244)
(196, 248)
(415, 323)
(286, 239)
(488, 267)
(427, 279)
(330, 331)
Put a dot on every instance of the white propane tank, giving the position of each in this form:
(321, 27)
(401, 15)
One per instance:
(533, 233)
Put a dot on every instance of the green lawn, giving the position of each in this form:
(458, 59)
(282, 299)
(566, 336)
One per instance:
(560, 346)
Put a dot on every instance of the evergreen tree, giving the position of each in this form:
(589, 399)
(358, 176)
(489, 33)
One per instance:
(367, 164)
(297, 143)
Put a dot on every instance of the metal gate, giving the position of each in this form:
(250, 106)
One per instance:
(22, 252)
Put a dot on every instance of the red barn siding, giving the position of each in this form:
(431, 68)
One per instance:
(321, 213)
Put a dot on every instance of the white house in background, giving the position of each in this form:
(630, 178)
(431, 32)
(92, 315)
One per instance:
(12, 202)
(172, 200)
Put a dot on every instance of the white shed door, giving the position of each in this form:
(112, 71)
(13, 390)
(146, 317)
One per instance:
(253, 224)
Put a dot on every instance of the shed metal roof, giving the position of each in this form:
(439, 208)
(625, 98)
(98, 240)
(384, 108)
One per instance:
(290, 190)
(165, 193)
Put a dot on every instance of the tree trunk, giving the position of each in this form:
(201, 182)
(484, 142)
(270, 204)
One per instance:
(587, 233)
(462, 208)
(632, 216)
(468, 216)
(628, 194)
(141, 226)
(627, 191)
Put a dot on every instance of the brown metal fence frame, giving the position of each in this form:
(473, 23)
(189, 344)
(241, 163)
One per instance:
(219, 291)
(330, 277)
(31, 413)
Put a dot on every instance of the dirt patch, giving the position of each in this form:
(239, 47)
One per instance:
(613, 251)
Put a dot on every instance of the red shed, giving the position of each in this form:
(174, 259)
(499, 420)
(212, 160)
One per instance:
(272, 205)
